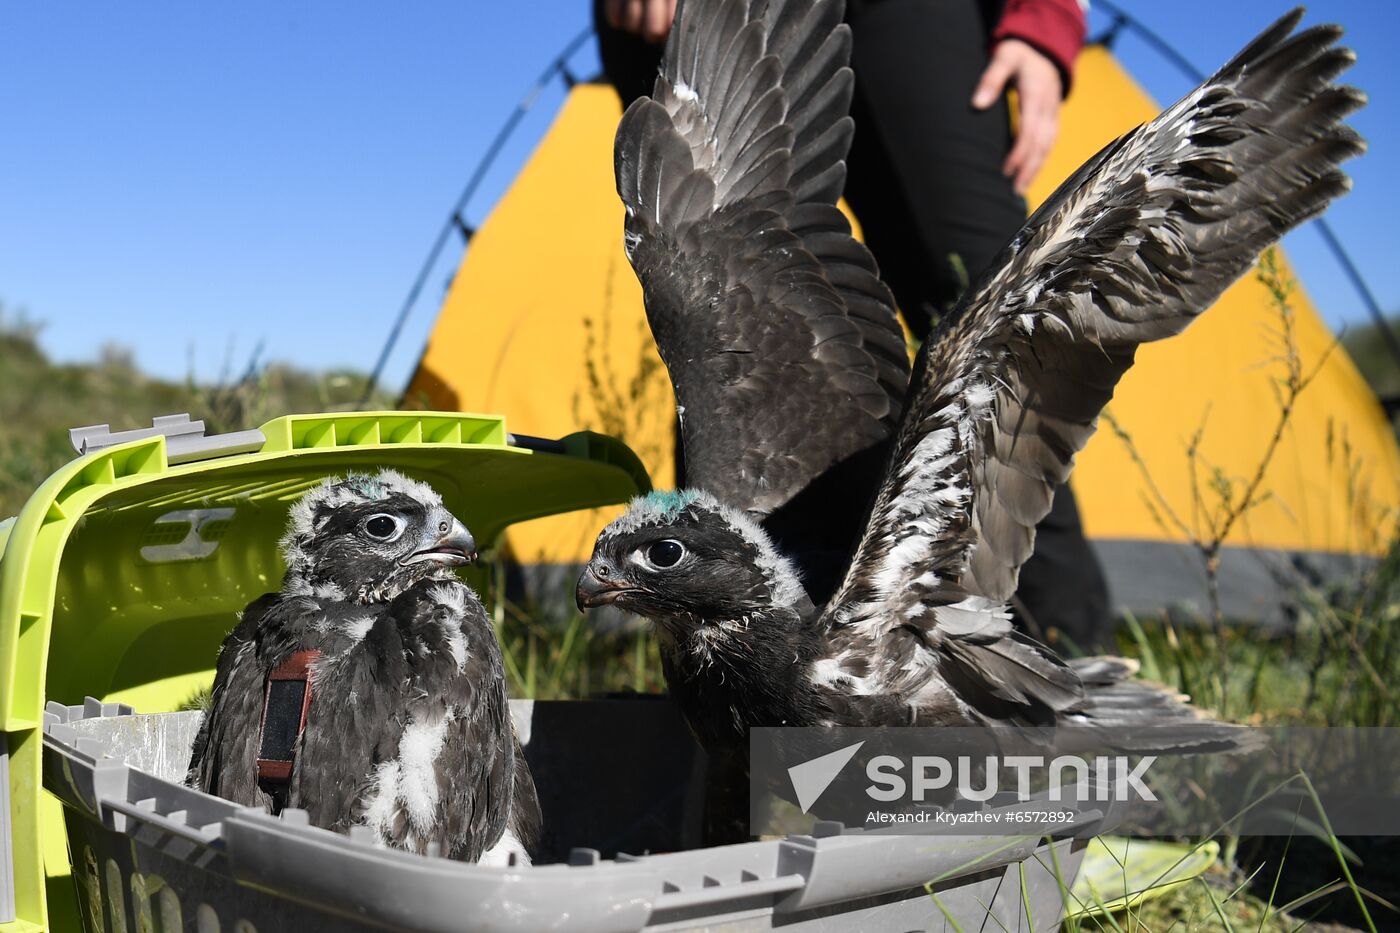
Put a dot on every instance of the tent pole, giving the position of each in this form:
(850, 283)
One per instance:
(558, 66)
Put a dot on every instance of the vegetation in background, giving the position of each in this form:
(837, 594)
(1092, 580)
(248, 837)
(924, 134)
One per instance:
(1220, 503)
(1367, 347)
(636, 411)
(1339, 665)
(41, 399)
(553, 652)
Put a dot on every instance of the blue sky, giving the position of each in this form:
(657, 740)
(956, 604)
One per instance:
(190, 180)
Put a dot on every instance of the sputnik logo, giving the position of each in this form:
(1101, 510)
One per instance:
(811, 778)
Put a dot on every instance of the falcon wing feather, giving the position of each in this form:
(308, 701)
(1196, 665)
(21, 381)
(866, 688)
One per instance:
(1129, 250)
(780, 339)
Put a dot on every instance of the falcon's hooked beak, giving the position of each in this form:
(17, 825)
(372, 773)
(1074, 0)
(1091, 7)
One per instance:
(454, 548)
(599, 587)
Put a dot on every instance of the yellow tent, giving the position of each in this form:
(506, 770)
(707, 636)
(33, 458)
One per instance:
(550, 331)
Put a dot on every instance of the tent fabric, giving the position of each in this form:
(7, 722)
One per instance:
(544, 323)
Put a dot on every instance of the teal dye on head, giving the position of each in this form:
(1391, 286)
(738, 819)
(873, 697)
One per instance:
(670, 502)
(656, 508)
(363, 485)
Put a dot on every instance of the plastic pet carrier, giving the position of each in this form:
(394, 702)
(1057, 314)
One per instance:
(122, 574)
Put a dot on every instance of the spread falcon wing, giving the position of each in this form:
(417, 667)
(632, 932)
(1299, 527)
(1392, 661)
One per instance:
(1128, 250)
(780, 339)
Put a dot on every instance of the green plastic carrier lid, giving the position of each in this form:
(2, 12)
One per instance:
(124, 570)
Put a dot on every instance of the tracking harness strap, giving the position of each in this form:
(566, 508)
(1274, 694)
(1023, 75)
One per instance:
(285, 703)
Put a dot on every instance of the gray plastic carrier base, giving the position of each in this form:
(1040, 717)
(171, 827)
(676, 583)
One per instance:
(615, 775)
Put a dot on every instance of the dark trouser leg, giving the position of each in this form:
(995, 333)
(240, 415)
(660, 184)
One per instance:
(925, 168)
(925, 180)
(630, 63)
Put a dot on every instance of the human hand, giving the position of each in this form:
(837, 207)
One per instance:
(650, 19)
(1038, 93)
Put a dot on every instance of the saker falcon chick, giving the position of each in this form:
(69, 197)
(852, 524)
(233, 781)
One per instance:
(371, 689)
(789, 369)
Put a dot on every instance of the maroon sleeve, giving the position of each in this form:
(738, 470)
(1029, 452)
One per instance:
(1055, 27)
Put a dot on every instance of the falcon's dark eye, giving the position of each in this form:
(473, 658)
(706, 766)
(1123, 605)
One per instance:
(666, 553)
(383, 527)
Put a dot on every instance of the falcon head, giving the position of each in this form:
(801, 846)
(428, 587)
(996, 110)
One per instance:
(368, 538)
(684, 560)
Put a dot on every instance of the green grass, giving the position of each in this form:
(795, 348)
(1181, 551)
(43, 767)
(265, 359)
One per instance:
(1339, 666)
(1366, 346)
(1216, 902)
(552, 658)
